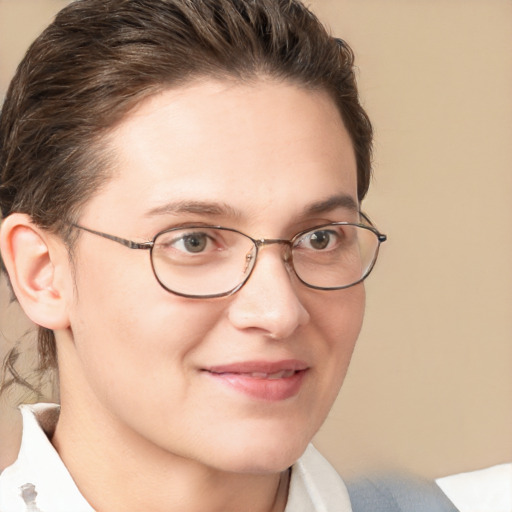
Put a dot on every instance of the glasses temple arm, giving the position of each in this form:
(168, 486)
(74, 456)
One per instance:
(119, 240)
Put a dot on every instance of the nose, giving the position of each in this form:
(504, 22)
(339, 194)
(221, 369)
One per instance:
(268, 302)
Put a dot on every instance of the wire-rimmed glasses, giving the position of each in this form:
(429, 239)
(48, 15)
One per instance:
(201, 261)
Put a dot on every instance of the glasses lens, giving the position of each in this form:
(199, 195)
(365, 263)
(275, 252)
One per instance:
(202, 261)
(335, 255)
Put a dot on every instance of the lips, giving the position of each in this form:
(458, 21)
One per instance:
(260, 367)
(284, 374)
(262, 380)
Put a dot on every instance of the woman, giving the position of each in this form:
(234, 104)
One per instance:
(180, 189)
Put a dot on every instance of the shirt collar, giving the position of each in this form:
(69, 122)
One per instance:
(38, 481)
(316, 486)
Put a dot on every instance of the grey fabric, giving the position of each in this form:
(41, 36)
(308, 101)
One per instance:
(397, 493)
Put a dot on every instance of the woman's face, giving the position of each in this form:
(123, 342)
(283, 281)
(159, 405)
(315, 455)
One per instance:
(239, 383)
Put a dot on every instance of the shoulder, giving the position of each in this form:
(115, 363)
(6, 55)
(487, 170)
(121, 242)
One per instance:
(316, 486)
(397, 493)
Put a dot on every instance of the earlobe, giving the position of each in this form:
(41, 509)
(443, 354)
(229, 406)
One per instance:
(32, 258)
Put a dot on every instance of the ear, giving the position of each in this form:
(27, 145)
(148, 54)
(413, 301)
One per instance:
(38, 267)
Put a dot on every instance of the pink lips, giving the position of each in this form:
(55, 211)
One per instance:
(271, 381)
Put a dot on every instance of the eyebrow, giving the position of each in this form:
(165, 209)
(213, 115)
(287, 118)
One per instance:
(219, 209)
(344, 201)
(214, 209)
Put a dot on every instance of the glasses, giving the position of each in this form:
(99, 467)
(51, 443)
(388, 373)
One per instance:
(213, 261)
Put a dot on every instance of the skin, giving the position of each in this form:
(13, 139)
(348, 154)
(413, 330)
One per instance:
(134, 392)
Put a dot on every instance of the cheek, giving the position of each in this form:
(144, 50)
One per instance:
(339, 323)
(132, 337)
(347, 327)
(340, 318)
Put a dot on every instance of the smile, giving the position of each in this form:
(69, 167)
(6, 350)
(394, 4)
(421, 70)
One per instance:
(262, 380)
(278, 375)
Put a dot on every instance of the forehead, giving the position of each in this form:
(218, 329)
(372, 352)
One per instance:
(248, 146)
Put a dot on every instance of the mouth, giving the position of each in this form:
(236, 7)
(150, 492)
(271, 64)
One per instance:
(284, 374)
(260, 380)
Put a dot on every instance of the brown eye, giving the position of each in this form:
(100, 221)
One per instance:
(320, 239)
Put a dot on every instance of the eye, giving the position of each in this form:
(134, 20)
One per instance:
(195, 242)
(320, 239)
(191, 242)
(185, 242)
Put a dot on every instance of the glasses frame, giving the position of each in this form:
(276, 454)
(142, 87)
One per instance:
(258, 243)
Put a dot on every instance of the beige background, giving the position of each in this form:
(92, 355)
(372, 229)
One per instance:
(430, 387)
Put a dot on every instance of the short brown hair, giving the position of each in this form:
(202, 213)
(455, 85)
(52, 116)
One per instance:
(99, 58)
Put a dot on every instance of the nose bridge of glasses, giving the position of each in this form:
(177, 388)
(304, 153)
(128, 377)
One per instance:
(251, 256)
(262, 242)
(270, 241)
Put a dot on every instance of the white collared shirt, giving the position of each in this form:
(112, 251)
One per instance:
(39, 482)
(484, 490)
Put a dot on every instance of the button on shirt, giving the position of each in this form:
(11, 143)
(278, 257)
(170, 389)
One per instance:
(39, 482)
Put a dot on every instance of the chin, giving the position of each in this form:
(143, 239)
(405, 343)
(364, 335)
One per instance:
(263, 455)
(270, 463)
